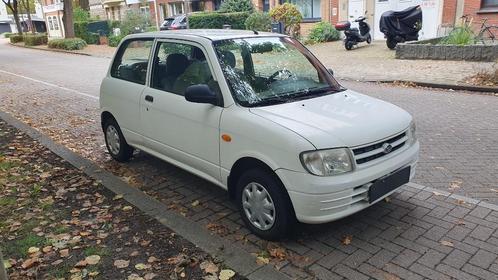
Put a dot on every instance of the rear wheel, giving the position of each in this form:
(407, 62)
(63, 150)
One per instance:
(348, 45)
(115, 141)
(264, 204)
(391, 43)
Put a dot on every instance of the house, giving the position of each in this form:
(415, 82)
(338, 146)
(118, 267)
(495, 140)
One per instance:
(52, 12)
(478, 10)
(5, 21)
(170, 8)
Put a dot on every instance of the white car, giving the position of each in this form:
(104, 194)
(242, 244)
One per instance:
(258, 115)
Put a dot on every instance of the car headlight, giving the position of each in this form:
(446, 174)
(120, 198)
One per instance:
(327, 162)
(411, 133)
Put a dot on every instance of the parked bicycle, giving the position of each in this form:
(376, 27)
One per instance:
(485, 29)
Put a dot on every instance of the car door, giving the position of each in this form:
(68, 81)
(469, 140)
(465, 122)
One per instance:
(186, 133)
(124, 86)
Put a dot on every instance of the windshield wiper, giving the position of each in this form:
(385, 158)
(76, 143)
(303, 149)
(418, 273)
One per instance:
(314, 92)
(269, 101)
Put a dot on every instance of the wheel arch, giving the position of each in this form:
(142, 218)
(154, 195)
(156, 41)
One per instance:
(105, 115)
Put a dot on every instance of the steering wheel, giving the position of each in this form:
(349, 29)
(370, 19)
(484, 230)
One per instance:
(280, 72)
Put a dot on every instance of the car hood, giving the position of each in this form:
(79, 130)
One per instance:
(344, 119)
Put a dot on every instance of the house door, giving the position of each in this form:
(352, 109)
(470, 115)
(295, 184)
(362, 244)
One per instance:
(356, 8)
(381, 6)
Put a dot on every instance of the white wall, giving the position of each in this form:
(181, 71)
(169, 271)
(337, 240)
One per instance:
(3, 11)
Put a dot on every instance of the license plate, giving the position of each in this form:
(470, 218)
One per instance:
(388, 184)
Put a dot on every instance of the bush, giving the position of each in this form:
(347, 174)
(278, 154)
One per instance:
(234, 6)
(290, 16)
(258, 21)
(216, 20)
(134, 20)
(461, 35)
(7, 34)
(16, 38)
(323, 32)
(80, 14)
(115, 40)
(67, 44)
(35, 39)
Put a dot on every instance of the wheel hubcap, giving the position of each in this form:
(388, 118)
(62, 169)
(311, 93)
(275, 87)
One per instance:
(112, 138)
(258, 206)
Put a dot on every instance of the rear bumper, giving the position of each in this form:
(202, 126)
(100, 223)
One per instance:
(324, 199)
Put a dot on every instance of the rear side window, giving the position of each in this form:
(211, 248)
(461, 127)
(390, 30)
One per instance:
(131, 61)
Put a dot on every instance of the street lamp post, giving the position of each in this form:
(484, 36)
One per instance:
(156, 14)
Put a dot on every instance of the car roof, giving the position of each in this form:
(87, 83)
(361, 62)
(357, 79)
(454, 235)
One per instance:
(210, 34)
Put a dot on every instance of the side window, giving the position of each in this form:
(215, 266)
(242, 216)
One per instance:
(178, 66)
(131, 61)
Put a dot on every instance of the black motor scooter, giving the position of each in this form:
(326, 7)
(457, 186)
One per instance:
(353, 35)
(401, 26)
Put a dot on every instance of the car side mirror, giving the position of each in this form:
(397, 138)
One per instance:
(201, 94)
(331, 71)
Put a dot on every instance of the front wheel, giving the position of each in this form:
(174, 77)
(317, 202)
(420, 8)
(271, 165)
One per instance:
(369, 39)
(348, 45)
(264, 204)
(391, 43)
(115, 142)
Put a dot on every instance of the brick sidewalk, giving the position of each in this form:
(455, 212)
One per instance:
(417, 234)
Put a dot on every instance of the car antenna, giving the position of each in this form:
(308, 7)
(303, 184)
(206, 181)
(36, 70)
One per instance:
(255, 32)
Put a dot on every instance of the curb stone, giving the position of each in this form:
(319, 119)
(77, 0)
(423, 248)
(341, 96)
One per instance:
(233, 256)
(51, 50)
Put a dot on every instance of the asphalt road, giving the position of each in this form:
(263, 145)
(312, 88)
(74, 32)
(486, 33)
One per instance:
(458, 131)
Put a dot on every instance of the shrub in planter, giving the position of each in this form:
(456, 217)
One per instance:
(323, 32)
(258, 21)
(461, 35)
(290, 16)
(215, 20)
(35, 39)
(234, 6)
(67, 44)
(115, 40)
(16, 38)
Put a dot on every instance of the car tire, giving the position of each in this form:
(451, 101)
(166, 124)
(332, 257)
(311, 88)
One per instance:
(348, 45)
(391, 43)
(115, 142)
(257, 187)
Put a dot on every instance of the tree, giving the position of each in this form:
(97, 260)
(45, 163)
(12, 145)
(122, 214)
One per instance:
(67, 19)
(232, 6)
(13, 6)
(26, 7)
(84, 4)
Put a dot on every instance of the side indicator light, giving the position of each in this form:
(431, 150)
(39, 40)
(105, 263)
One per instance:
(226, 137)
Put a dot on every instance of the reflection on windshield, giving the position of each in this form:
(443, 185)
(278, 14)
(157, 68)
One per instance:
(271, 70)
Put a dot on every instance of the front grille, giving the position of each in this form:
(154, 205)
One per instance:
(374, 151)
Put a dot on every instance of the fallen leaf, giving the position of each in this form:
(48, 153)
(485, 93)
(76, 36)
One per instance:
(134, 276)
(93, 273)
(141, 266)
(7, 264)
(64, 253)
(346, 240)
(127, 208)
(81, 264)
(134, 254)
(47, 249)
(226, 274)
(278, 253)
(437, 193)
(447, 243)
(152, 259)
(494, 190)
(209, 267)
(150, 276)
(85, 233)
(117, 197)
(45, 175)
(33, 250)
(262, 260)
(195, 203)
(387, 199)
(29, 263)
(93, 259)
(121, 263)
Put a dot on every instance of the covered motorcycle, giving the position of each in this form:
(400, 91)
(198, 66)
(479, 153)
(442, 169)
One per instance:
(401, 26)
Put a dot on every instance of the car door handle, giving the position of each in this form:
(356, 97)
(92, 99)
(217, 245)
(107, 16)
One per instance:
(149, 98)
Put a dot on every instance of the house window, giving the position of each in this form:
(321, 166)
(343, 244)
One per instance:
(489, 4)
(176, 8)
(144, 10)
(56, 23)
(310, 9)
(50, 24)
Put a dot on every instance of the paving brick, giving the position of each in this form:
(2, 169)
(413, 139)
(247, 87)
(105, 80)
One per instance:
(428, 272)
(406, 258)
(294, 272)
(369, 247)
(337, 244)
(439, 212)
(413, 233)
(375, 273)
(434, 245)
(479, 272)
(381, 258)
(483, 259)
(457, 258)
(431, 258)
(322, 273)
(411, 245)
(402, 273)
(458, 233)
(459, 212)
(296, 247)
(358, 257)
(435, 233)
(454, 273)
(482, 232)
(349, 273)
(480, 212)
(319, 246)
(332, 259)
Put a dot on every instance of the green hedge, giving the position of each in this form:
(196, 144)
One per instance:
(115, 40)
(215, 20)
(16, 38)
(88, 31)
(67, 44)
(323, 32)
(7, 34)
(35, 39)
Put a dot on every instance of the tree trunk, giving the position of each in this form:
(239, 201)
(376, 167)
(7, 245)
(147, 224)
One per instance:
(18, 21)
(67, 19)
(84, 4)
(30, 24)
(14, 8)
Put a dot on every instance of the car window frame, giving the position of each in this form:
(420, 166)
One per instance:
(154, 51)
(119, 54)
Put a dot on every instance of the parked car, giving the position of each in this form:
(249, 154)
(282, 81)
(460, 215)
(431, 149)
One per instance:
(173, 23)
(258, 115)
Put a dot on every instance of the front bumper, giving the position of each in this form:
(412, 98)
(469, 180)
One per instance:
(324, 199)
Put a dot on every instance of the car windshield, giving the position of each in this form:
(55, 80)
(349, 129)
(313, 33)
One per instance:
(272, 70)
